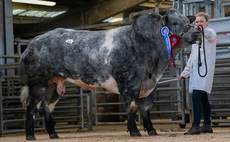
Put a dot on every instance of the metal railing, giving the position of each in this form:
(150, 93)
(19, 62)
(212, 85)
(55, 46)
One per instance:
(219, 97)
(72, 111)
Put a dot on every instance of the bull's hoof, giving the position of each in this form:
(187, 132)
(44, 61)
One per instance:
(29, 137)
(135, 134)
(54, 136)
(152, 133)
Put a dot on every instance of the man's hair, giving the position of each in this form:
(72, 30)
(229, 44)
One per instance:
(206, 16)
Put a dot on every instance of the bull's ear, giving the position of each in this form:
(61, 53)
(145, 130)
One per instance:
(191, 19)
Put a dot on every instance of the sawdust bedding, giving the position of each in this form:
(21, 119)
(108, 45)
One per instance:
(118, 133)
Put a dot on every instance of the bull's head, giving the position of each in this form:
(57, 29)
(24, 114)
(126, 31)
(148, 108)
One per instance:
(180, 25)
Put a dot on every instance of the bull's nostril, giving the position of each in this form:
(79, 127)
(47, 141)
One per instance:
(196, 34)
(193, 34)
(150, 75)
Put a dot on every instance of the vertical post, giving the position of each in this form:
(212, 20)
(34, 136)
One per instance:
(197, 7)
(95, 105)
(179, 6)
(2, 31)
(174, 3)
(208, 9)
(82, 109)
(2, 52)
(184, 9)
(222, 11)
(179, 85)
(89, 112)
(190, 10)
(194, 9)
(157, 7)
(1, 105)
(217, 10)
(183, 103)
(19, 49)
(9, 37)
(172, 73)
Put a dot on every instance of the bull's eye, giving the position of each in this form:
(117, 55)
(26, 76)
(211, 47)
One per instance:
(175, 23)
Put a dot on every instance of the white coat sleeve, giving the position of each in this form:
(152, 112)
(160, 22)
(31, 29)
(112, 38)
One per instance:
(186, 71)
(210, 34)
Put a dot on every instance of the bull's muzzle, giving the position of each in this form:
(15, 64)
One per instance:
(197, 35)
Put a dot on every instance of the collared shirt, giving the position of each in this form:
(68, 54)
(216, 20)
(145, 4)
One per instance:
(196, 82)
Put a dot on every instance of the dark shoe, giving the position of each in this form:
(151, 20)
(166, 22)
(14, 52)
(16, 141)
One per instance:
(193, 130)
(206, 129)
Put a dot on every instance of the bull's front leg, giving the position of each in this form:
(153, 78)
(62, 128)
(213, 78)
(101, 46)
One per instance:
(145, 105)
(131, 109)
(131, 125)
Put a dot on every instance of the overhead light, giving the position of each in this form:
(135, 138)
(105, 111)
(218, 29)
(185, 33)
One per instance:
(17, 11)
(36, 13)
(37, 2)
(113, 19)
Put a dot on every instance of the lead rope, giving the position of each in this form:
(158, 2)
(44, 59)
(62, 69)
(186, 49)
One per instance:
(199, 56)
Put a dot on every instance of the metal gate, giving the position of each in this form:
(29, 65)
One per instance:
(219, 98)
(72, 111)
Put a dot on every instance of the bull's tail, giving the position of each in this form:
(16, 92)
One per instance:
(25, 96)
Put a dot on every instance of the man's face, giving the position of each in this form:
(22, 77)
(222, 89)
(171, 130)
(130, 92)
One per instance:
(200, 20)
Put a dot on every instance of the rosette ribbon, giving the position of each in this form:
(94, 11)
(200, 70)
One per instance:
(174, 40)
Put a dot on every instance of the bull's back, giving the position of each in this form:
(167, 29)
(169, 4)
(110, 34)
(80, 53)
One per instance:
(68, 52)
(46, 54)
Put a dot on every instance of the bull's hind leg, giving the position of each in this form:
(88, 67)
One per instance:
(145, 104)
(50, 101)
(36, 94)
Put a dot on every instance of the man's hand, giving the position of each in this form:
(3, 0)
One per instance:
(181, 78)
(199, 28)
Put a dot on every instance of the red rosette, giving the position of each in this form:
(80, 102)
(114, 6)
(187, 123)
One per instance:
(174, 40)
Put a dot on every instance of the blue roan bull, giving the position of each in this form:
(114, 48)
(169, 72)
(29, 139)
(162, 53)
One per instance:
(128, 60)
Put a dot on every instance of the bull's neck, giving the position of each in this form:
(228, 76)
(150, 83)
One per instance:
(175, 52)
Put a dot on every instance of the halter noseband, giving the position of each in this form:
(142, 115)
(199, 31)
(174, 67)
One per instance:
(182, 34)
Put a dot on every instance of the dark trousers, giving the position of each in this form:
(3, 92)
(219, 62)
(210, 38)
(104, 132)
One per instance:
(201, 105)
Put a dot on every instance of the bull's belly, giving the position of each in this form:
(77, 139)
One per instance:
(109, 85)
(144, 94)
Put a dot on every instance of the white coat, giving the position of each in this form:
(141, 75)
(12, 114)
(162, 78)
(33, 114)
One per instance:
(196, 82)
